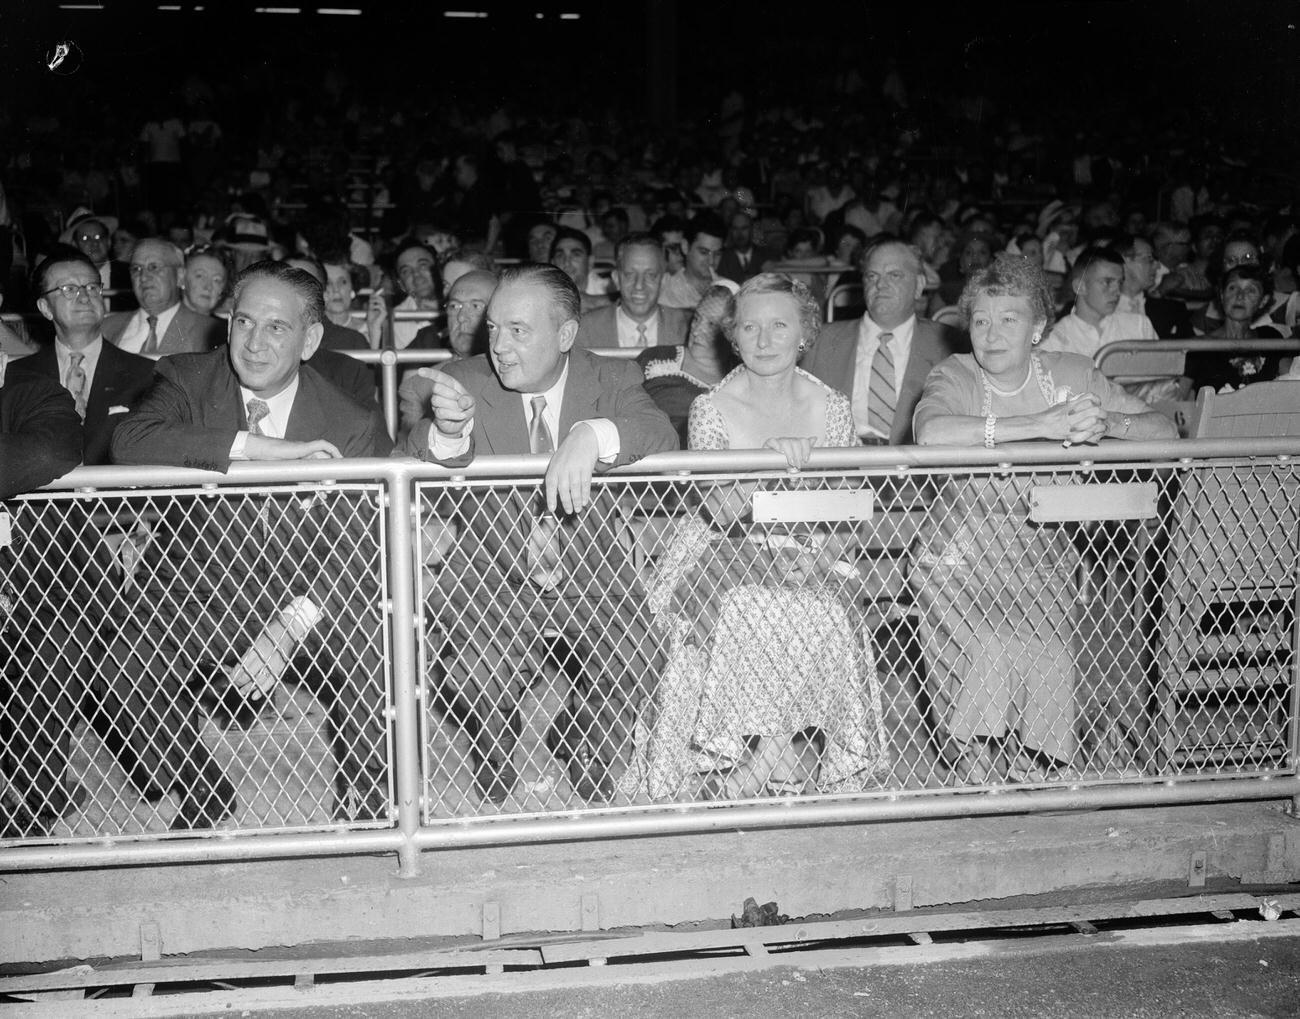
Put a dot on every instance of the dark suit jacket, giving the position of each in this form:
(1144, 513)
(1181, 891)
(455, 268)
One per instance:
(1170, 318)
(40, 434)
(500, 519)
(119, 280)
(599, 328)
(189, 332)
(729, 263)
(350, 375)
(337, 337)
(190, 416)
(120, 380)
(833, 359)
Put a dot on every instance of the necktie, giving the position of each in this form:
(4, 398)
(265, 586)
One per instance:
(539, 436)
(77, 382)
(641, 339)
(881, 397)
(543, 550)
(151, 342)
(257, 411)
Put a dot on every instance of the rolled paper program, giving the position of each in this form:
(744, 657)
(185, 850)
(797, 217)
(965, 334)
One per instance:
(264, 664)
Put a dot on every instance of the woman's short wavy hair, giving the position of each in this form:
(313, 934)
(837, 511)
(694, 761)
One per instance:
(1009, 276)
(810, 312)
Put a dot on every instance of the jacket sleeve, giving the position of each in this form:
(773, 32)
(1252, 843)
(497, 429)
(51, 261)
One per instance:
(163, 430)
(40, 434)
(642, 427)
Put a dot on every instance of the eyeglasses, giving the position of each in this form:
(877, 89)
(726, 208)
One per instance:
(151, 268)
(455, 307)
(74, 290)
(86, 238)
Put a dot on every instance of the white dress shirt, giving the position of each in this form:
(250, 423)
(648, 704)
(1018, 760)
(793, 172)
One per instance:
(607, 442)
(1073, 335)
(868, 344)
(275, 424)
(1133, 304)
(136, 333)
(404, 332)
(627, 334)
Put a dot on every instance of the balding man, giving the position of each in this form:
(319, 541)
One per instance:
(528, 562)
(162, 325)
(638, 319)
(467, 300)
(881, 360)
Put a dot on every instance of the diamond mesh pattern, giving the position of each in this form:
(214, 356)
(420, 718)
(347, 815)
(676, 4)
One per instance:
(135, 620)
(665, 648)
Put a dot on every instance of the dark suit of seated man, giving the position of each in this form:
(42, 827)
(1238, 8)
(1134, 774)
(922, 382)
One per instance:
(104, 381)
(880, 361)
(220, 570)
(638, 319)
(162, 325)
(527, 562)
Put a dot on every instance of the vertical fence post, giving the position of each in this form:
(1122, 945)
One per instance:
(406, 745)
(388, 389)
(1294, 699)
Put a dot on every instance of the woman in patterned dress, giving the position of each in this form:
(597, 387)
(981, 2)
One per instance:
(771, 687)
(997, 595)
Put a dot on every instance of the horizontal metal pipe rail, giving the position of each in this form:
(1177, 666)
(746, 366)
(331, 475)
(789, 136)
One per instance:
(1203, 345)
(409, 837)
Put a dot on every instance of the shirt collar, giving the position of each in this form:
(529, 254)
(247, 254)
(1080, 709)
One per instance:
(627, 324)
(281, 404)
(90, 356)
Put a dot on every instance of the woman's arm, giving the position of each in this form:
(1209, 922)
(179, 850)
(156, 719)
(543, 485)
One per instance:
(1078, 420)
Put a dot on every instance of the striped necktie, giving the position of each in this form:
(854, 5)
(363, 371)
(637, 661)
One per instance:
(539, 436)
(882, 397)
(543, 551)
(151, 341)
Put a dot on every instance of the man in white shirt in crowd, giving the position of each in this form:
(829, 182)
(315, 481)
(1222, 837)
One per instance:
(684, 288)
(162, 324)
(638, 319)
(417, 268)
(1094, 320)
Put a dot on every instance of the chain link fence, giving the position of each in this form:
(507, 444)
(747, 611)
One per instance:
(434, 653)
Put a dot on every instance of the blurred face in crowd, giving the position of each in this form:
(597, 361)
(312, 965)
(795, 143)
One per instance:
(1208, 239)
(123, 244)
(415, 268)
(702, 256)
(156, 270)
(927, 239)
(338, 289)
(975, 254)
(1173, 246)
(613, 227)
(892, 283)
(1002, 331)
(572, 259)
(205, 282)
(740, 234)
(452, 271)
(93, 239)
(1140, 268)
(847, 249)
(269, 336)
(526, 343)
(1098, 288)
(540, 239)
(1242, 300)
(638, 277)
(80, 314)
(768, 332)
(1239, 253)
(674, 242)
(467, 303)
(1032, 249)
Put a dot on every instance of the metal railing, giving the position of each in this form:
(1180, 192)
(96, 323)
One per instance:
(715, 643)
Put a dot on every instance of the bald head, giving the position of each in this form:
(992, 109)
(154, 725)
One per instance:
(466, 304)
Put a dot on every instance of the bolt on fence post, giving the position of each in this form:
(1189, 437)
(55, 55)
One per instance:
(406, 745)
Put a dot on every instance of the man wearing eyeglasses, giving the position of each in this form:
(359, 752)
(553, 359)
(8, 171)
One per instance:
(162, 325)
(93, 238)
(1170, 318)
(104, 381)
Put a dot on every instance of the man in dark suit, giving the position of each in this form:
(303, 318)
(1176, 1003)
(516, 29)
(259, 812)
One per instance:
(881, 360)
(527, 562)
(638, 319)
(104, 381)
(218, 571)
(162, 324)
(1169, 317)
(742, 258)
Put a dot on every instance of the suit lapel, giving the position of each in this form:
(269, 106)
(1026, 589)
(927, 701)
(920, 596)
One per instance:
(580, 394)
(919, 363)
(502, 428)
(307, 415)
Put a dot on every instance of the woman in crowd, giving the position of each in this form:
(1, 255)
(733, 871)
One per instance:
(204, 284)
(1243, 301)
(997, 595)
(676, 375)
(770, 687)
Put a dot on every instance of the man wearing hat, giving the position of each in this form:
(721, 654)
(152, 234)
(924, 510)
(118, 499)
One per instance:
(162, 325)
(92, 235)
